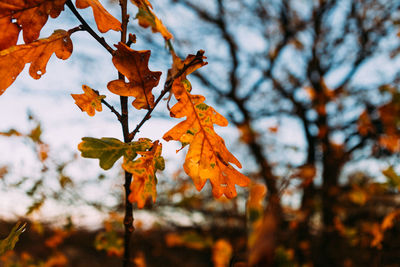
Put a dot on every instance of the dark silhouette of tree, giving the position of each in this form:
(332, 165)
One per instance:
(311, 62)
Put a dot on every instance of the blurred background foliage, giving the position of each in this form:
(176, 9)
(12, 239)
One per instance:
(312, 91)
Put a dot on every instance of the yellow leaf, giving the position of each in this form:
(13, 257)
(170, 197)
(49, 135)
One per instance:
(134, 65)
(147, 18)
(89, 101)
(104, 20)
(38, 53)
(358, 196)
(208, 157)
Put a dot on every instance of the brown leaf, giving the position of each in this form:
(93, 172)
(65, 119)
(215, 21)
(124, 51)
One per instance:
(104, 20)
(38, 53)
(9, 33)
(134, 65)
(30, 15)
(208, 157)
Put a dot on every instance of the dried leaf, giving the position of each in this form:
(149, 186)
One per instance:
(147, 18)
(143, 170)
(89, 101)
(134, 65)
(9, 33)
(30, 16)
(38, 53)
(208, 157)
(104, 20)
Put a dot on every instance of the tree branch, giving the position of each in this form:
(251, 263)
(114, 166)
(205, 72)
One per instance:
(87, 28)
(112, 109)
(167, 87)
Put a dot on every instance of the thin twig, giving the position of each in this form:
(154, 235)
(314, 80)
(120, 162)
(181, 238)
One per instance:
(167, 87)
(87, 28)
(112, 109)
(75, 29)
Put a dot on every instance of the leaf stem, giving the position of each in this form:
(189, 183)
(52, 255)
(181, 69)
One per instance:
(87, 28)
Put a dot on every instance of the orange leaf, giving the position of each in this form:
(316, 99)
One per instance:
(134, 65)
(38, 53)
(9, 33)
(256, 196)
(388, 221)
(390, 142)
(207, 158)
(143, 171)
(147, 18)
(89, 101)
(30, 15)
(104, 20)
(364, 124)
(221, 253)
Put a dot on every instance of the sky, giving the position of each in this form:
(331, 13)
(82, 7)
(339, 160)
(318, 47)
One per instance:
(64, 124)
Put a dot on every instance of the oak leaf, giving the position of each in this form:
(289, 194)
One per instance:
(147, 18)
(30, 15)
(38, 53)
(9, 33)
(89, 101)
(143, 171)
(134, 65)
(208, 157)
(104, 20)
(108, 150)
